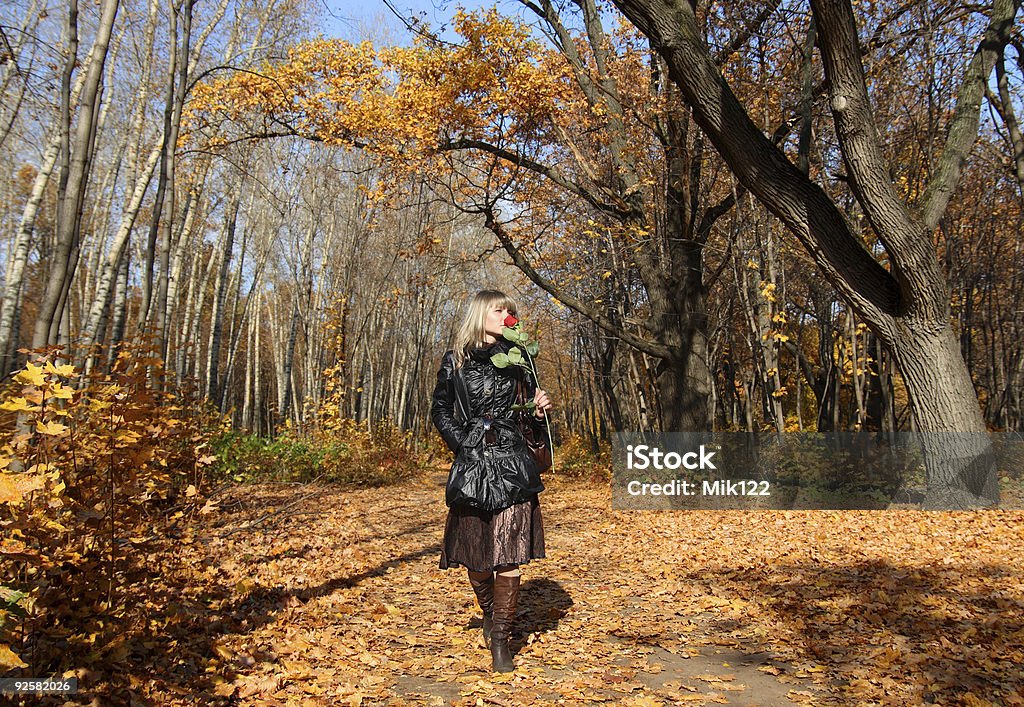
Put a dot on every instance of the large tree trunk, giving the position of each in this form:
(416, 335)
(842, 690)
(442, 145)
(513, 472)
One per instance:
(684, 377)
(907, 308)
(958, 452)
(678, 295)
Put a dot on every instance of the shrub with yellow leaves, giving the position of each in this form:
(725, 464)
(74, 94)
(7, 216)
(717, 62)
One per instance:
(90, 467)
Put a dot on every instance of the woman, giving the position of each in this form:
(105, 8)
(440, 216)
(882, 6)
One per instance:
(494, 521)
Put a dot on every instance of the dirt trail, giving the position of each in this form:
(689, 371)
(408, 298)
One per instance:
(314, 595)
(335, 598)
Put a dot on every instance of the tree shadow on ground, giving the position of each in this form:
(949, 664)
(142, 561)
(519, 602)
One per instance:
(172, 638)
(224, 612)
(911, 624)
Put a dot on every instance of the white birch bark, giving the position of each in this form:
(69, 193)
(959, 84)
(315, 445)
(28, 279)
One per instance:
(112, 263)
(75, 170)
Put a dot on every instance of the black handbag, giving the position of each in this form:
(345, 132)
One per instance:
(536, 439)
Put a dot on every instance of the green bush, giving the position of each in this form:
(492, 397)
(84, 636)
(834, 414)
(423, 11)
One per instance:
(348, 453)
(576, 458)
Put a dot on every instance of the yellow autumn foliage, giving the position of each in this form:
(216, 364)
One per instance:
(84, 463)
(406, 105)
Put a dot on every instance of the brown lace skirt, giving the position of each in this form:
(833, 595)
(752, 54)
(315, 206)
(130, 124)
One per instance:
(482, 540)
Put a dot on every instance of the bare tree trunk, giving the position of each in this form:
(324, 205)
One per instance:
(640, 391)
(75, 169)
(257, 383)
(187, 351)
(10, 69)
(1003, 103)
(250, 373)
(236, 335)
(99, 226)
(119, 314)
(163, 208)
(162, 315)
(16, 270)
(112, 265)
(302, 292)
(185, 237)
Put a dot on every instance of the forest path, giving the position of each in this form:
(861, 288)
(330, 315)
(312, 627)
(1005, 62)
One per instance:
(317, 595)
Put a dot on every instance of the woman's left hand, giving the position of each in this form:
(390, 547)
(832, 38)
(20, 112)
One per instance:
(543, 403)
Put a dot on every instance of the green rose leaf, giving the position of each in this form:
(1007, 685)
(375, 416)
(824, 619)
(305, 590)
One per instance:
(500, 360)
(533, 348)
(515, 355)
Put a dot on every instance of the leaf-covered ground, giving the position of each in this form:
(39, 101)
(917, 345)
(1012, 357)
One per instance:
(313, 595)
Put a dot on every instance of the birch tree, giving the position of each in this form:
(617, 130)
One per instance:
(75, 159)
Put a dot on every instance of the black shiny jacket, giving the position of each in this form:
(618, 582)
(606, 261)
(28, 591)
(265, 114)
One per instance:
(493, 467)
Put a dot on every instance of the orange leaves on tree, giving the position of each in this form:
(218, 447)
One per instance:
(398, 103)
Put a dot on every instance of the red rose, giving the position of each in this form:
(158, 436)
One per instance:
(511, 321)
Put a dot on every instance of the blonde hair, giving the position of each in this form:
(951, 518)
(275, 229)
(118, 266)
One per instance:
(472, 331)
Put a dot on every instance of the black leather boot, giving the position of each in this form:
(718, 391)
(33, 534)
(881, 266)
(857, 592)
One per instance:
(506, 599)
(484, 591)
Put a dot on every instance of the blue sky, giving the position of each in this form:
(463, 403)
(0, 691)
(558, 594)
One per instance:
(350, 18)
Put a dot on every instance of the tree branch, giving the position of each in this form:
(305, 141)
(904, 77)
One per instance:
(1004, 106)
(862, 151)
(963, 128)
(745, 33)
(761, 166)
(592, 313)
(619, 209)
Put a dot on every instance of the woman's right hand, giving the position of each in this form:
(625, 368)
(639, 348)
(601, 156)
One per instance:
(542, 402)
